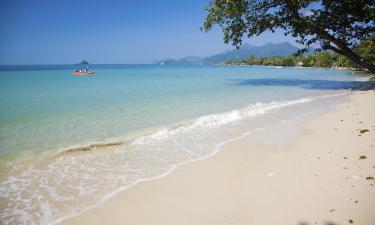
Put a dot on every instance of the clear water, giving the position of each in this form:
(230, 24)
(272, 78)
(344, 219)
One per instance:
(67, 143)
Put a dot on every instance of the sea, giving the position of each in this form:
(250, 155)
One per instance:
(68, 143)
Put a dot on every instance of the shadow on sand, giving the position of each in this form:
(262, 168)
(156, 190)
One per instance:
(309, 84)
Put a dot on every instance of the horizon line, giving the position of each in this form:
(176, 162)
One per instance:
(231, 49)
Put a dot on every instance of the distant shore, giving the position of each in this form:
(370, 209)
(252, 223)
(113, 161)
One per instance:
(325, 175)
(337, 68)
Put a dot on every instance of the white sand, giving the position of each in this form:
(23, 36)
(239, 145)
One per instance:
(318, 178)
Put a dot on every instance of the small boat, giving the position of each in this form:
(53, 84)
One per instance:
(83, 71)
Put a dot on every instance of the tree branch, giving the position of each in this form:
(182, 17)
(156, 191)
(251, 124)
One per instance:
(338, 51)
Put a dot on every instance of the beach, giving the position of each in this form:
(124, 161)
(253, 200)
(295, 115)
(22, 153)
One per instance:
(84, 142)
(187, 113)
(325, 175)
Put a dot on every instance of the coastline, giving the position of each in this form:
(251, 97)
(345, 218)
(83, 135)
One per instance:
(352, 69)
(313, 179)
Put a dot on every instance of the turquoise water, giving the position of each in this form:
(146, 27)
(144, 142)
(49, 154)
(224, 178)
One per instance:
(51, 109)
(147, 120)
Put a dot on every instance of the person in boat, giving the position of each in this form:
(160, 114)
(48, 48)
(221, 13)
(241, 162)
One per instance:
(83, 70)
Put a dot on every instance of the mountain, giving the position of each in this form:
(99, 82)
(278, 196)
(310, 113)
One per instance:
(244, 52)
(247, 50)
(188, 60)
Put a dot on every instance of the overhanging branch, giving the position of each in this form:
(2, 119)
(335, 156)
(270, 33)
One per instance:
(330, 47)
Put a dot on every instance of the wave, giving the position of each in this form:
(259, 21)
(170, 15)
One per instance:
(92, 146)
(207, 121)
(214, 120)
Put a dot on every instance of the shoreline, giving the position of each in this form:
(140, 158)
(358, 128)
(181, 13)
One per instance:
(352, 69)
(145, 180)
(119, 210)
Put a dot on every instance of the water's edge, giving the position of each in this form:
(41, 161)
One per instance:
(218, 149)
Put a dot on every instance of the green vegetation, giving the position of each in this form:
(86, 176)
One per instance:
(320, 59)
(334, 25)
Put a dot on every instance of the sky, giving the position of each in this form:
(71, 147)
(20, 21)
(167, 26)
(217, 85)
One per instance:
(108, 32)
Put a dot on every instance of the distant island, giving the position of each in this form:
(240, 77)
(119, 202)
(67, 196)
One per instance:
(325, 59)
(280, 54)
(243, 53)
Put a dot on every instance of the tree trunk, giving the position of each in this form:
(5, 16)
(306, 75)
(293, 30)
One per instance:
(361, 61)
(357, 59)
(344, 50)
(354, 57)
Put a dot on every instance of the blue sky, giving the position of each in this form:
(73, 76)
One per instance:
(128, 31)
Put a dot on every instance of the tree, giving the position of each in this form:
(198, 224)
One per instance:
(308, 60)
(367, 49)
(288, 61)
(323, 59)
(336, 25)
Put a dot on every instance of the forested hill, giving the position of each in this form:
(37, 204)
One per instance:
(244, 52)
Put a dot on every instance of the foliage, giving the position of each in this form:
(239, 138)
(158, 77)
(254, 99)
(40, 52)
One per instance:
(367, 48)
(336, 25)
(319, 59)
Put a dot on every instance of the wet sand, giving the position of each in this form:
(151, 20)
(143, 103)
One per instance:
(325, 175)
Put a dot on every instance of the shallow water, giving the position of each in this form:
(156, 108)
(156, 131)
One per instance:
(70, 142)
